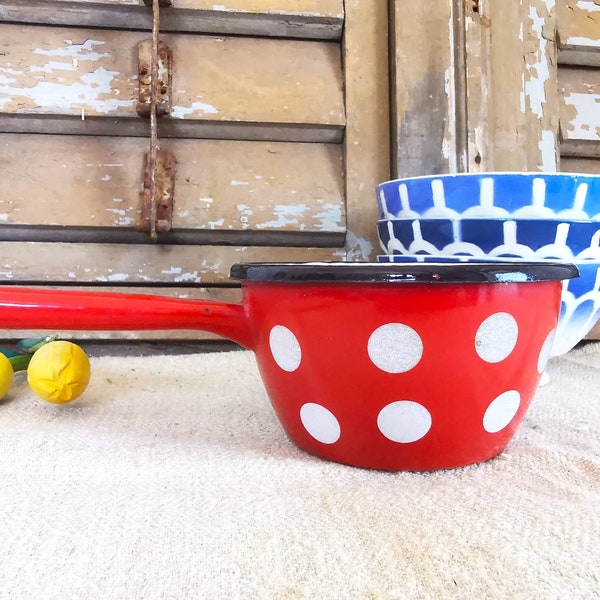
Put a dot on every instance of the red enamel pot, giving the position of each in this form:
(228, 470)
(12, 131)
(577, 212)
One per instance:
(386, 366)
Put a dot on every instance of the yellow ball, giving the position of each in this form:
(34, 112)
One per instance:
(6, 375)
(59, 372)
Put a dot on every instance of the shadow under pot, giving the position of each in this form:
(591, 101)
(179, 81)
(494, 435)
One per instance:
(384, 366)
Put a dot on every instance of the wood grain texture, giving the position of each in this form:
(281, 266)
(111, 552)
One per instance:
(220, 186)
(580, 111)
(93, 73)
(159, 264)
(308, 19)
(367, 135)
(521, 85)
(422, 93)
(579, 32)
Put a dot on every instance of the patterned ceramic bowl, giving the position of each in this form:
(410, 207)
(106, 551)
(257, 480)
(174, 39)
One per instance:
(492, 195)
(522, 238)
(580, 299)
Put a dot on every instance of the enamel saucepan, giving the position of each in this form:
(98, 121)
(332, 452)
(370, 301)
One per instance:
(387, 366)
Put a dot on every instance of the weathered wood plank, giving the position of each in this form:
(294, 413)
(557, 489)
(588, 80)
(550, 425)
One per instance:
(114, 264)
(580, 111)
(367, 136)
(522, 89)
(222, 188)
(171, 128)
(423, 109)
(308, 19)
(85, 73)
(579, 32)
(580, 165)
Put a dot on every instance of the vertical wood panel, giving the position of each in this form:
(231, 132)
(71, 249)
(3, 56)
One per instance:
(423, 109)
(517, 121)
(367, 138)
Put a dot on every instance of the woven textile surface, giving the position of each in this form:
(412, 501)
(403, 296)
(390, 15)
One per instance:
(171, 478)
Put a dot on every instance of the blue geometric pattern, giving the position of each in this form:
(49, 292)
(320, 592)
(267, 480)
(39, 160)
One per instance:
(492, 195)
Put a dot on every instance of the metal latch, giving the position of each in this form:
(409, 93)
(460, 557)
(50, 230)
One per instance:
(163, 83)
(157, 191)
(155, 63)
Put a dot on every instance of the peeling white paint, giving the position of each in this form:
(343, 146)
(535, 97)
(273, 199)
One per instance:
(193, 277)
(116, 211)
(236, 182)
(180, 112)
(52, 66)
(172, 271)
(215, 224)
(589, 5)
(547, 147)
(4, 217)
(106, 178)
(286, 215)
(538, 71)
(449, 142)
(586, 124)
(330, 218)
(113, 277)
(207, 199)
(246, 211)
(59, 98)
(583, 41)
(359, 249)
(83, 51)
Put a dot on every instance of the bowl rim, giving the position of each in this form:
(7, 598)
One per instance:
(482, 271)
(493, 174)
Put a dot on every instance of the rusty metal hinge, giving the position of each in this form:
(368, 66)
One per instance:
(164, 83)
(155, 63)
(157, 199)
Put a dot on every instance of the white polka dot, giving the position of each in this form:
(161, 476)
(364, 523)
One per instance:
(501, 411)
(395, 348)
(545, 351)
(496, 337)
(320, 423)
(285, 348)
(404, 421)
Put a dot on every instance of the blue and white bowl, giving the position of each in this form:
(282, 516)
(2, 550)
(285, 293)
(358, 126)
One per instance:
(523, 238)
(492, 195)
(580, 299)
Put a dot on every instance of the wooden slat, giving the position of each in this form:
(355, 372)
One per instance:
(367, 136)
(81, 73)
(579, 32)
(580, 165)
(307, 19)
(115, 264)
(580, 111)
(223, 189)
(517, 126)
(424, 136)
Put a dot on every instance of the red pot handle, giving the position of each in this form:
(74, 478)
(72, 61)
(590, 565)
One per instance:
(34, 308)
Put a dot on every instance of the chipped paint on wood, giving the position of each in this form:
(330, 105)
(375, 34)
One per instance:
(582, 116)
(331, 8)
(79, 72)
(537, 67)
(579, 23)
(220, 184)
(580, 105)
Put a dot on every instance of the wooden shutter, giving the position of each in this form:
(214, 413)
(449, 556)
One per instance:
(279, 124)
